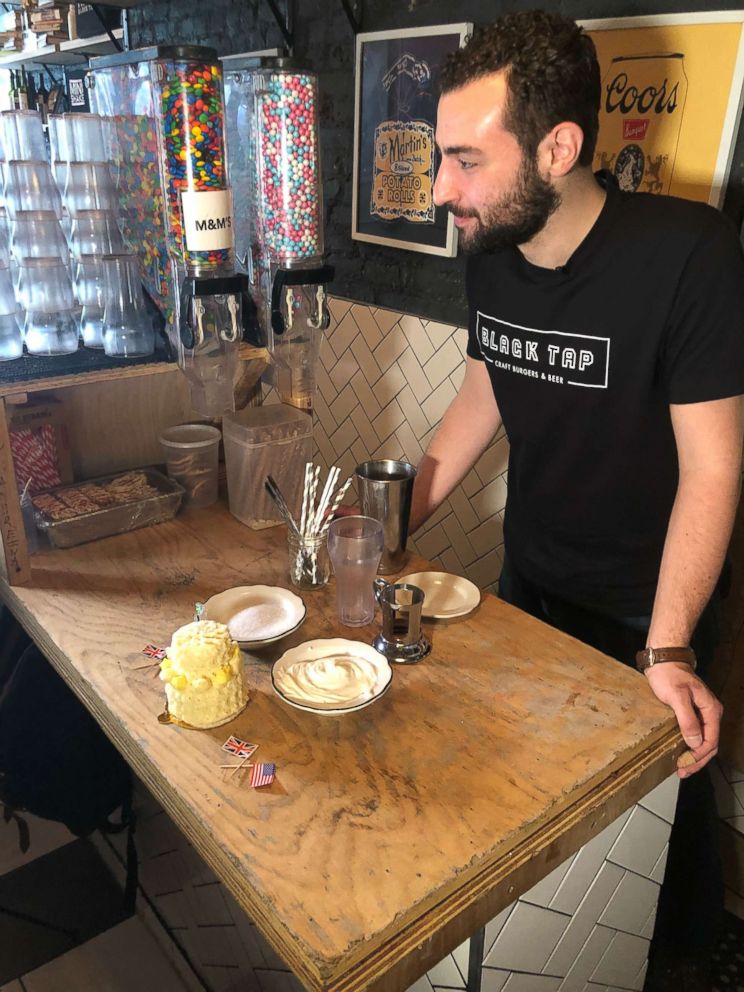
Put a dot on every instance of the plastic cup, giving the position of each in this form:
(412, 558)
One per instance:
(191, 454)
(38, 234)
(89, 186)
(31, 186)
(22, 136)
(127, 328)
(355, 546)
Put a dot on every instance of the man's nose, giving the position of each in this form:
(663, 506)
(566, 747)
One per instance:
(443, 191)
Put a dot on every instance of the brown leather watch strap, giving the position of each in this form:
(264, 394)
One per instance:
(656, 656)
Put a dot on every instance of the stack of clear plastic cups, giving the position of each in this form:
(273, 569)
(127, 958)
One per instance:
(127, 327)
(83, 149)
(11, 336)
(45, 291)
(95, 232)
(90, 291)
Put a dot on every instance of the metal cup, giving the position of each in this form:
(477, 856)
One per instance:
(385, 491)
(401, 638)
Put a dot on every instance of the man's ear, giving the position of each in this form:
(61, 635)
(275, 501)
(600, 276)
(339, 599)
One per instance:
(559, 150)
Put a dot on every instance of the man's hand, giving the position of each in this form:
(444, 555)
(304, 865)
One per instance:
(697, 710)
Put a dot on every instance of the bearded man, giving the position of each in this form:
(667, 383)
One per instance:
(606, 334)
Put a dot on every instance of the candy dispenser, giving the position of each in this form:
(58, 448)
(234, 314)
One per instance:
(166, 105)
(273, 154)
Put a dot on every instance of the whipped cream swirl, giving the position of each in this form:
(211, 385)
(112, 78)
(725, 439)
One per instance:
(334, 679)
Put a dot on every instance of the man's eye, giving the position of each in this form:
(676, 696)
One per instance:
(465, 165)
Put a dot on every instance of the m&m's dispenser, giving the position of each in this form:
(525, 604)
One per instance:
(271, 109)
(168, 112)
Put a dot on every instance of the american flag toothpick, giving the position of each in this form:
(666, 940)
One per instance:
(262, 774)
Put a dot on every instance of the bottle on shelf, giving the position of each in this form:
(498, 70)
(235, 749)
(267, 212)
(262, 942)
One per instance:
(42, 95)
(13, 92)
(22, 92)
(31, 91)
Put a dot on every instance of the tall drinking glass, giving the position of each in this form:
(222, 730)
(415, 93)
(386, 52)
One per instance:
(355, 546)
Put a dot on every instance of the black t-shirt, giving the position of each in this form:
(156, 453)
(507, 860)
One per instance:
(584, 362)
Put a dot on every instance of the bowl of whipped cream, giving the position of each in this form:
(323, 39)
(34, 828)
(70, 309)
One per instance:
(331, 676)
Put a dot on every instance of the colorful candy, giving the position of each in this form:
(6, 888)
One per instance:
(141, 198)
(289, 202)
(193, 134)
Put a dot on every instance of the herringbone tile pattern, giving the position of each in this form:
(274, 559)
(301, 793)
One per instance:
(385, 380)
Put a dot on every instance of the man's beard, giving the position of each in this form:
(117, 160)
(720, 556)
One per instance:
(516, 218)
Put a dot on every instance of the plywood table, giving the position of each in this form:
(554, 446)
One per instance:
(389, 835)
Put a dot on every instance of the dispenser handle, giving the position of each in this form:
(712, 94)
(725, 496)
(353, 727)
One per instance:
(294, 277)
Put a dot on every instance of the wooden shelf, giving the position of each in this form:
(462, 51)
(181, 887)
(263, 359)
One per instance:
(49, 383)
(101, 3)
(67, 53)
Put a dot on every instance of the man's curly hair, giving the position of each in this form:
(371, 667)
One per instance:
(552, 75)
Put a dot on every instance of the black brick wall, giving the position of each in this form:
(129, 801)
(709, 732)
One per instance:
(411, 282)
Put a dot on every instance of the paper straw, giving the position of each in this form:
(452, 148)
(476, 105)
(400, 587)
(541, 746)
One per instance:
(305, 496)
(335, 505)
(333, 474)
(311, 509)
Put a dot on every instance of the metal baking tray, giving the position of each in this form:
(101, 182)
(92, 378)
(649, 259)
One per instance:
(116, 519)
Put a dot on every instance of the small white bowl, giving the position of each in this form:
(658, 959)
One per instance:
(273, 612)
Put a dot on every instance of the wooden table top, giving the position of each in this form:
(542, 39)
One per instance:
(391, 834)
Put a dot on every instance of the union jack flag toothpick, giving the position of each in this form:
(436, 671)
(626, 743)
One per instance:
(241, 749)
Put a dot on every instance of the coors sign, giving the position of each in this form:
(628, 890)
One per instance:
(640, 116)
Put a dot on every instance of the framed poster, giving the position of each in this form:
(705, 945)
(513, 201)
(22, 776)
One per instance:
(671, 101)
(395, 156)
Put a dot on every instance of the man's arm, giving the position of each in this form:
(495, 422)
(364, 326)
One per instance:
(464, 433)
(709, 447)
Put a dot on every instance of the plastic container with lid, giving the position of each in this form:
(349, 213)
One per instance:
(260, 441)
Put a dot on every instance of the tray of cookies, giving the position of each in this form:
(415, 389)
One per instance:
(113, 504)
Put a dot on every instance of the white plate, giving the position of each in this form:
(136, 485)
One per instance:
(446, 595)
(275, 612)
(312, 652)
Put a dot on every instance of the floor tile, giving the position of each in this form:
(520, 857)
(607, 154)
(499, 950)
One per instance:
(44, 836)
(53, 903)
(125, 958)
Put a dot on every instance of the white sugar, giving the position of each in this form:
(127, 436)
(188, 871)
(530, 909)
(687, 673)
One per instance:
(258, 622)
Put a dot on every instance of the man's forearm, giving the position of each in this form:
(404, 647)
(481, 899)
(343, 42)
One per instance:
(697, 537)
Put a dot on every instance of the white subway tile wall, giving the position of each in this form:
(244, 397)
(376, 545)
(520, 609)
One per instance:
(385, 380)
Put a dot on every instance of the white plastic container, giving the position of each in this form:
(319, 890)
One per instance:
(260, 441)
(191, 452)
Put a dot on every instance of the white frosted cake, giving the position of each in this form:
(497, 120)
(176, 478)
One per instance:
(203, 674)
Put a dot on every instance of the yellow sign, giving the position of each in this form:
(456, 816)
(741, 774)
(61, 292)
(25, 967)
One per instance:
(665, 106)
(403, 178)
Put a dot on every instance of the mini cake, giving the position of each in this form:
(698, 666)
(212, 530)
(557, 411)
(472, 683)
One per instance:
(203, 675)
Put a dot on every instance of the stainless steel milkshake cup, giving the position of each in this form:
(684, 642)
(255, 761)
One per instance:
(385, 490)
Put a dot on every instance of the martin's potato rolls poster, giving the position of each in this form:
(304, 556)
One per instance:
(395, 158)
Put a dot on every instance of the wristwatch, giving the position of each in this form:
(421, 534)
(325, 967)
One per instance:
(655, 656)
